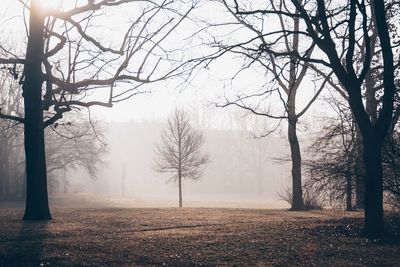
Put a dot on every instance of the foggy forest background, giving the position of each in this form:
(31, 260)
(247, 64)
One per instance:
(286, 112)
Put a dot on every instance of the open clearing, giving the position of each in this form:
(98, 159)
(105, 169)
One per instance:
(193, 236)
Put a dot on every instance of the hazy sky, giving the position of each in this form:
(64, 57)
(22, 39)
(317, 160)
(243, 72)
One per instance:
(206, 89)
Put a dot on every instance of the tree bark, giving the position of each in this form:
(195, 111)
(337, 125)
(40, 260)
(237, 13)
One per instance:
(2, 159)
(37, 207)
(294, 81)
(7, 183)
(297, 192)
(349, 193)
(360, 174)
(374, 225)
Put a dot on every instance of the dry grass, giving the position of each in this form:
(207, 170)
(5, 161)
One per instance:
(193, 236)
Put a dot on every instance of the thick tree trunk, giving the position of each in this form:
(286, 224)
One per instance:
(349, 193)
(374, 225)
(37, 207)
(297, 192)
(2, 159)
(360, 173)
(23, 192)
(180, 189)
(7, 181)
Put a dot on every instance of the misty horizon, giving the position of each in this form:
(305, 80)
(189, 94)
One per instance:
(131, 154)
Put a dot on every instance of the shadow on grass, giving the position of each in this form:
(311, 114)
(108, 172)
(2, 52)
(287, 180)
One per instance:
(354, 228)
(27, 248)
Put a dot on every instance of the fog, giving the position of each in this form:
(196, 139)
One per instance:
(243, 171)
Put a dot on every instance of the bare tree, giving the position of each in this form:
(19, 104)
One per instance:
(333, 165)
(11, 141)
(70, 143)
(284, 75)
(335, 29)
(68, 65)
(74, 144)
(179, 152)
(332, 162)
(391, 167)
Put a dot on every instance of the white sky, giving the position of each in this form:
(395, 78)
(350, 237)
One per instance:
(207, 88)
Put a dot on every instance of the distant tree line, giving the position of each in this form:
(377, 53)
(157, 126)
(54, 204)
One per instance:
(68, 145)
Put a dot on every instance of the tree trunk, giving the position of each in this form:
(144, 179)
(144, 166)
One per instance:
(374, 226)
(297, 192)
(23, 192)
(349, 193)
(2, 159)
(360, 173)
(7, 183)
(180, 189)
(37, 207)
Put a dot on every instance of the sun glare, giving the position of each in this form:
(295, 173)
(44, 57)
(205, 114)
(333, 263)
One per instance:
(50, 4)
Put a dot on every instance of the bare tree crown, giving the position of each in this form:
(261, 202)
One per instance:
(83, 67)
(179, 152)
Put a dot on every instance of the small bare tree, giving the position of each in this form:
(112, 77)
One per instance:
(179, 152)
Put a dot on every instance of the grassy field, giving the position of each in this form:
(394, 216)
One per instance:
(193, 236)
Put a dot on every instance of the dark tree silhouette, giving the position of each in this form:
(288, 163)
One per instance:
(66, 63)
(332, 165)
(320, 29)
(285, 80)
(335, 28)
(70, 143)
(391, 167)
(179, 152)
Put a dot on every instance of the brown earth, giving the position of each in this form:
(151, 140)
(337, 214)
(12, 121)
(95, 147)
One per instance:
(194, 237)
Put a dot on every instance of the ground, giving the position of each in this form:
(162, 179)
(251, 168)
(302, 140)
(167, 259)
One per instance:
(93, 236)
